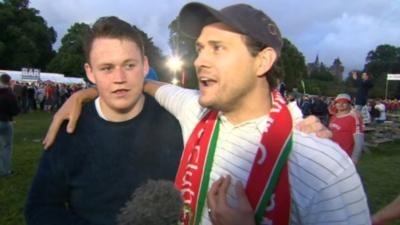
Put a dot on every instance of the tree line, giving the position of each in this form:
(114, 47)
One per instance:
(26, 40)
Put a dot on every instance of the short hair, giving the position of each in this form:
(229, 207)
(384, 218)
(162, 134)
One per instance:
(111, 27)
(254, 47)
(5, 79)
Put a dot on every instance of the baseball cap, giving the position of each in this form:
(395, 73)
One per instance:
(343, 98)
(241, 17)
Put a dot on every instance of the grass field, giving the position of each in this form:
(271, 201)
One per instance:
(379, 169)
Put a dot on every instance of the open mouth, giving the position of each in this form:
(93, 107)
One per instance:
(206, 81)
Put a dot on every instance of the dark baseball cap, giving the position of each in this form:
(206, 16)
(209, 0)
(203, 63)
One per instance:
(241, 17)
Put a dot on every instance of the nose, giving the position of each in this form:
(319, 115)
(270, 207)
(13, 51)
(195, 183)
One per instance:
(202, 60)
(119, 75)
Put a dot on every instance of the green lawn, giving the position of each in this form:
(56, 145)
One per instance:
(379, 169)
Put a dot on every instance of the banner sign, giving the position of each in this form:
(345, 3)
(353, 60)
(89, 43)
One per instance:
(30, 74)
(393, 76)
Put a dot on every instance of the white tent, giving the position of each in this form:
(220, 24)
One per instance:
(53, 77)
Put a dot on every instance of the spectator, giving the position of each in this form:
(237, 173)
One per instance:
(87, 177)
(294, 108)
(380, 107)
(8, 109)
(320, 109)
(363, 84)
(347, 128)
(306, 106)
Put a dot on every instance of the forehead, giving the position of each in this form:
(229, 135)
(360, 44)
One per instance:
(104, 48)
(219, 32)
(107, 42)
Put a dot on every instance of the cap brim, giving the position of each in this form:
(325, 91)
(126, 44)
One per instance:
(342, 100)
(194, 16)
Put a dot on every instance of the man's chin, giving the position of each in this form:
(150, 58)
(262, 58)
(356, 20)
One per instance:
(208, 104)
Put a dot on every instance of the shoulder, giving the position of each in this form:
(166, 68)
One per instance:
(154, 110)
(316, 161)
(171, 94)
(318, 150)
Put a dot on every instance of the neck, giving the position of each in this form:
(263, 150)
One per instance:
(125, 114)
(256, 105)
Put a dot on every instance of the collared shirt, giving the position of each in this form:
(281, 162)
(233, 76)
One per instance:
(325, 187)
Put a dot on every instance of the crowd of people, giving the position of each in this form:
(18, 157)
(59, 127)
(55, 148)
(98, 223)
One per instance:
(47, 96)
(234, 147)
(323, 107)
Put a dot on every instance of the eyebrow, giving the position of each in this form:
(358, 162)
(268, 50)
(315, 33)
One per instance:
(211, 42)
(124, 62)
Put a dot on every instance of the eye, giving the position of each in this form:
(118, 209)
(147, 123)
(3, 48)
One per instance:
(218, 48)
(130, 66)
(106, 68)
(198, 48)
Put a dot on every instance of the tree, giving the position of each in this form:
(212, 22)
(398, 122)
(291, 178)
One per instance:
(154, 54)
(25, 39)
(183, 46)
(321, 73)
(292, 65)
(379, 62)
(70, 57)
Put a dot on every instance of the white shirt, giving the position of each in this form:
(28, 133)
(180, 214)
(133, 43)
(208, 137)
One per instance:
(382, 111)
(294, 109)
(325, 187)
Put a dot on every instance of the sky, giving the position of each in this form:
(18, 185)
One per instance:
(347, 29)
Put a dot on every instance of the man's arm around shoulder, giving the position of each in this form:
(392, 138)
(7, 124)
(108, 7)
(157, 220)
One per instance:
(152, 86)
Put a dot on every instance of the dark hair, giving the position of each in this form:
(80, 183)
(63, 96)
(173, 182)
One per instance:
(5, 78)
(111, 27)
(255, 47)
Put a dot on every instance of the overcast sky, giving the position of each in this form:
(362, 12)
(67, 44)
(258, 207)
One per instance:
(347, 29)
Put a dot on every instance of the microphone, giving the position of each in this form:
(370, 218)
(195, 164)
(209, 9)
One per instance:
(154, 203)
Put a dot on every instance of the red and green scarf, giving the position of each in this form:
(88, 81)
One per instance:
(267, 187)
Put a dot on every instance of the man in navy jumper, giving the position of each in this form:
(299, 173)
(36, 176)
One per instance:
(122, 139)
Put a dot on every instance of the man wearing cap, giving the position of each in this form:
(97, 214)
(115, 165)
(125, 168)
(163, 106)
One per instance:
(347, 127)
(243, 163)
(240, 145)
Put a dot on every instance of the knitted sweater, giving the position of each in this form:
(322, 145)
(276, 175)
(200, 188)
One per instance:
(87, 176)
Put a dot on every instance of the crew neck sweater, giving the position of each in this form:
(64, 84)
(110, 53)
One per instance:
(86, 177)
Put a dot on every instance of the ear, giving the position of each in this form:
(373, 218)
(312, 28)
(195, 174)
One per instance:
(146, 66)
(89, 73)
(265, 60)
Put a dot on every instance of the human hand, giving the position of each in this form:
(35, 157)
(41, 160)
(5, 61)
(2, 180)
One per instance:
(220, 212)
(311, 124)
(376, 220)
(70, 111)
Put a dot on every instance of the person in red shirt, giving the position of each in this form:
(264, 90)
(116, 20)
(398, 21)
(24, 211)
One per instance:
(347, 127)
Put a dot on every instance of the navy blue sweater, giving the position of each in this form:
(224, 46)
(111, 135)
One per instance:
(86, 177)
